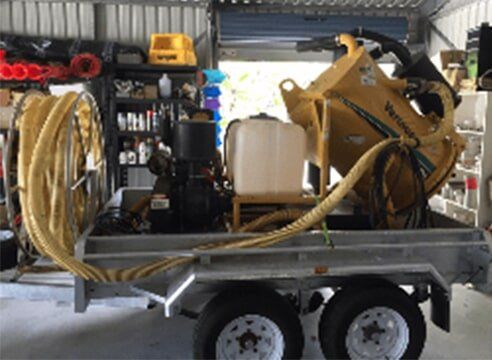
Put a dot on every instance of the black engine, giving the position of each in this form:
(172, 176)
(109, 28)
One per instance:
(188, 195)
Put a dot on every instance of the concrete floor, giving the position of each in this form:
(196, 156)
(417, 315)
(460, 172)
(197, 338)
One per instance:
(45, 330)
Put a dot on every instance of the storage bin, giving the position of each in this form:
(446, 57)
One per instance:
(212, 104)
(211, 92)
(174, 49)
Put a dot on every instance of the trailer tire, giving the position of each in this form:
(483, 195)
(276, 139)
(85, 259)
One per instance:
(248, 321)
(376, 322)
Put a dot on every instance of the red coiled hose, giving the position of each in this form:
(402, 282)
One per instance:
(19, 71)
(34, 72)
(85, 65)
(6, 72)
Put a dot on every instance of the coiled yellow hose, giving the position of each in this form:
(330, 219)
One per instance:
(38, 213)
(272, 218)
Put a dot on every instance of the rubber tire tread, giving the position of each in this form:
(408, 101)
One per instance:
(346, 304)
(236, 302)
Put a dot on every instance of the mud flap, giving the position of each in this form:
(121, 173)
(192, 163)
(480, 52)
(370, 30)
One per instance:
(440, 308)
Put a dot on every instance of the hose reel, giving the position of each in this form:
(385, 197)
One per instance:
(94, 171)
(82, 174)
(10, 177)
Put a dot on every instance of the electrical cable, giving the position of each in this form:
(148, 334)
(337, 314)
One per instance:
(116, 221)
(417, 216)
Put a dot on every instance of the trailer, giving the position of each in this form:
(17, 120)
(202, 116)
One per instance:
(249, 300)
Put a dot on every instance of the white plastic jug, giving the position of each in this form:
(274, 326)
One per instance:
(265, 157)
(165, 86)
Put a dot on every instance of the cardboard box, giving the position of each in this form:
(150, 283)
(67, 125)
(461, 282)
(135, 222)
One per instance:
(452, 57)
(150, 91)
(454, 75)
(4, 97)
(6, 114)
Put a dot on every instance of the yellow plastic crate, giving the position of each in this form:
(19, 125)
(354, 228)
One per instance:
(171, 49)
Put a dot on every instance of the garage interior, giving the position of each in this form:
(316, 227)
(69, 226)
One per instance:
(246, 179)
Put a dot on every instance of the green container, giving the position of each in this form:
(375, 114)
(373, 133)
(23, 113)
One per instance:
(472, 64)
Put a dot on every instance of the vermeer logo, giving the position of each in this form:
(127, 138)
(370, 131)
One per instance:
(390, 109)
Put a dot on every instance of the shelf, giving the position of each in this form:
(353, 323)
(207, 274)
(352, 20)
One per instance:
(132, 101)
(45, 85)
(467, 170)
(132, 165)
(138, 133)
(120, 100)
(156, 68)
(469, 132)
(469, 93)
(456, 204)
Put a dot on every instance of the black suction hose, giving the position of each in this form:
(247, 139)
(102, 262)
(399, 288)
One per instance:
(419, 67)
(387, 45)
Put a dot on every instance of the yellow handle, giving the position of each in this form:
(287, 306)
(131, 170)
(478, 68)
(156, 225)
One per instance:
(350, 42)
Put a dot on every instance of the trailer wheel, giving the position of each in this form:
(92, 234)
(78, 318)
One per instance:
(372, 323)
(248, 324)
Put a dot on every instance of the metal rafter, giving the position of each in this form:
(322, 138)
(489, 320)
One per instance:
(336, 4)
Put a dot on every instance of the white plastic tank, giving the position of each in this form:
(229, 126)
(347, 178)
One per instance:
(265, 157)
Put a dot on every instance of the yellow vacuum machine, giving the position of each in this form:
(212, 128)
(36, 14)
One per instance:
(353, 105)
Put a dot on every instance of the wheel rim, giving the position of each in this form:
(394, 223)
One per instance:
(250, 337)
(377, 333)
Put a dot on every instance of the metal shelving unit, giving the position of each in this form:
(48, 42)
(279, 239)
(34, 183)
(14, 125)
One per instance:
(473, 119)
(147, 74)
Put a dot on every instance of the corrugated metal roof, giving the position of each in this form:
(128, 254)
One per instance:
(347, 5)
(125, 23)
(135, 23)
(54, 19)
(458, 17)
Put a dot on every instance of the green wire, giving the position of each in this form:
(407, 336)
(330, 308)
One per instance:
(324, 227)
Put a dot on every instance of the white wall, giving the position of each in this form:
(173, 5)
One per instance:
(454, 20)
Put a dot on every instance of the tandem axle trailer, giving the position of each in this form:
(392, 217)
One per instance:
(366, 268)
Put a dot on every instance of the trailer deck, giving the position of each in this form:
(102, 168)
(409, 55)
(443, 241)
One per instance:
(438, 257)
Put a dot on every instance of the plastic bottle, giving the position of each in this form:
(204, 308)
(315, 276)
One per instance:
(155, 121)
(121, 122)
(131, 156)
(165, 86)
(123, 157)
(142, 153)
(471, 186)
(141, 122)
(148, 122)
(129, 121)
(135, 122)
